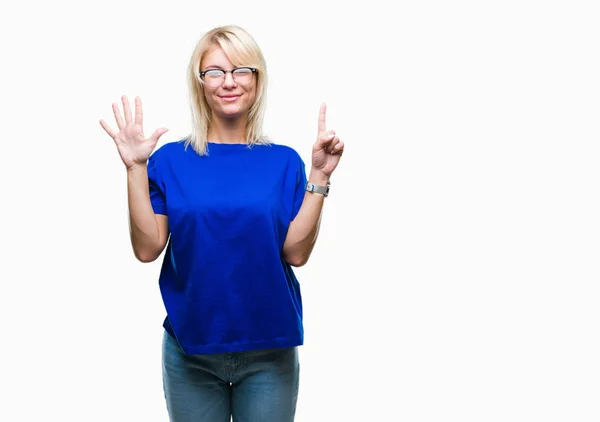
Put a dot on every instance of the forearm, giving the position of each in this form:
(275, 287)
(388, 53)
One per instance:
(304, 229)
(143, 226)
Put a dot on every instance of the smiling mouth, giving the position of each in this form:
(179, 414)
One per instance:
(230, 97)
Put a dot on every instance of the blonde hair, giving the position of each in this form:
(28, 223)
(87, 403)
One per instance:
(241, 50)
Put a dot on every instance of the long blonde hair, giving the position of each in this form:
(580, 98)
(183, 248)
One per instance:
(242, 50)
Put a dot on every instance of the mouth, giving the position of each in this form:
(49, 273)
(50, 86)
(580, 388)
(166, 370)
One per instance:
(229, 98)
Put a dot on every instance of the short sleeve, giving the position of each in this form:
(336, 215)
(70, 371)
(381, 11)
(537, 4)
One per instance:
(155, 184)
(300, 187)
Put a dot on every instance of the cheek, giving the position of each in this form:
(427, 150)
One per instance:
(252, 96)
(210, 98)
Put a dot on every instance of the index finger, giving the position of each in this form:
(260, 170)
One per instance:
(322, 112)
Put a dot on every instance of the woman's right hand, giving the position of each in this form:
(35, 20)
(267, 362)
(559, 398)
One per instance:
(133, 147)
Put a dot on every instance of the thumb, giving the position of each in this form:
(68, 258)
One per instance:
(325, 139)
(158, 133)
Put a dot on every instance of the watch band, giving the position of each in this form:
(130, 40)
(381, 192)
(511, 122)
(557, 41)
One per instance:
(323, 190)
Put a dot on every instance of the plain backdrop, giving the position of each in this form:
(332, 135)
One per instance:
(456, 274)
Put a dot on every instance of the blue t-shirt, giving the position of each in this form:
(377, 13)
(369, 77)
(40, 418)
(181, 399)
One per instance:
(223, 280)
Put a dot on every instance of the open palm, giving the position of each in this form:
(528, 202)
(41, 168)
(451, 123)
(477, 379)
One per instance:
(134, 148)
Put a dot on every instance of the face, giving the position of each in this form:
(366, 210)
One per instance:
(230, 99)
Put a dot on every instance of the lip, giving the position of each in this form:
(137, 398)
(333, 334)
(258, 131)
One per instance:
(229, 98)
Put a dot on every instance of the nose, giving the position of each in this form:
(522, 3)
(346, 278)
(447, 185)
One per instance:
(229, 82)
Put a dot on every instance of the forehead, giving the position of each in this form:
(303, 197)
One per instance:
(215, 57)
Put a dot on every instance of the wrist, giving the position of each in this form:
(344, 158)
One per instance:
(137, 168)
(318, 178)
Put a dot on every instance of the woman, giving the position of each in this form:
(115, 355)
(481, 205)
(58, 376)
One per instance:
(236, 212)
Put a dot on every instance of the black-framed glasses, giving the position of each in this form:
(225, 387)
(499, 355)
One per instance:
(216, 77)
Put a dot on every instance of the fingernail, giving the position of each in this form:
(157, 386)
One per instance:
(331, 136)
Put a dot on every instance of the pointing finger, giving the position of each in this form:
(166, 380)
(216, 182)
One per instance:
(322, 123)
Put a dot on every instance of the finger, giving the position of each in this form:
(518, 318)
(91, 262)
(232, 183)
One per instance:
(118, 117)
(126, 109)
(158, 133)
(322, 119)
(332, 144)
(107, 128)
(325, 139)
(139, 114)
(338, 149)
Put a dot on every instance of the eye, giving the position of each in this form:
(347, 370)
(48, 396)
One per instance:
(242, 71)
(213, 73)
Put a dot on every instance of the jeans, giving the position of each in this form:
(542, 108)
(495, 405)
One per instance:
(252, 386)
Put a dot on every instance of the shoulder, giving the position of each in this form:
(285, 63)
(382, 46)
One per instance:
(170, 148)
(285, 151)
(169, 151)
(289, 159)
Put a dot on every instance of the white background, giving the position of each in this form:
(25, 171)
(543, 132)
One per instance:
(456, 275)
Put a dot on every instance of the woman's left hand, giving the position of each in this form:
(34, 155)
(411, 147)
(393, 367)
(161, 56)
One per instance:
(328, 149)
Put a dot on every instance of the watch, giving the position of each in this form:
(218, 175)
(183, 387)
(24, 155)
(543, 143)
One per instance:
(323, 190)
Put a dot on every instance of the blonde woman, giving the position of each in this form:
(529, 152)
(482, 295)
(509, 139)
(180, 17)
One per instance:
(236, 212)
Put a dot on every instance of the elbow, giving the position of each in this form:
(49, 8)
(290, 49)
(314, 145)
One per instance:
(296, 260)
(145, 256)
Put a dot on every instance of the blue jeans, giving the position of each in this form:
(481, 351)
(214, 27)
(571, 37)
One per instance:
(252, 386)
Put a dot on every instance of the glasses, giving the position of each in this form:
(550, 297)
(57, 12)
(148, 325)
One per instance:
(216, 77)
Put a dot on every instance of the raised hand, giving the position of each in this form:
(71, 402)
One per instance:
(328, 149)
(134, 148)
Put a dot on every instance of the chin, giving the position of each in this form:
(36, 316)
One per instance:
(232, 110)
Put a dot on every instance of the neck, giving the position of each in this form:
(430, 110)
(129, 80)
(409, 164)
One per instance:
(227, 131)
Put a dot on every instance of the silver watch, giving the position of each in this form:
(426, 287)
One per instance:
(323, 190)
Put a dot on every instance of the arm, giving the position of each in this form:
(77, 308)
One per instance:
(304, 229)
(148, 231)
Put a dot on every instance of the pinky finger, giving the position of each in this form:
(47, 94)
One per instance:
(107, 129)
